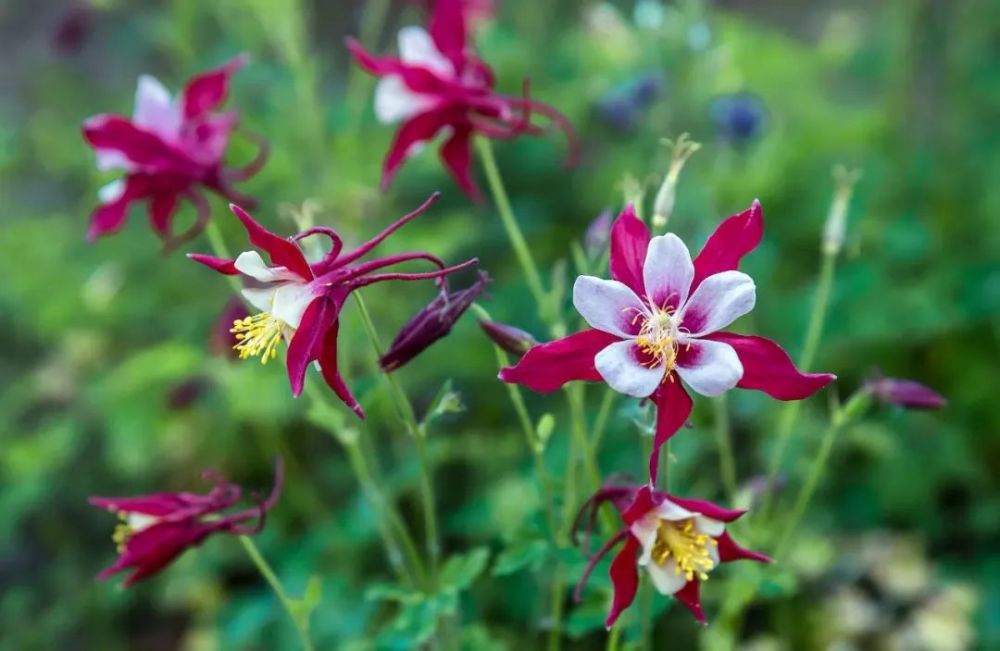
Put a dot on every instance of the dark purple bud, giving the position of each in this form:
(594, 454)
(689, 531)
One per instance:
(514, 340)
(738, 117)
(598, 233)
(904, 393)
(73, 28)
(430, 324)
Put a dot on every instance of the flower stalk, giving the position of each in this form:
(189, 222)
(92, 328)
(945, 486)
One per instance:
(265, 570)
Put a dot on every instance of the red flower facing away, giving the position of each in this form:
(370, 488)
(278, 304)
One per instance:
(300, 301)
(678, 541)
(660, 321)
(158, 528)
(169, 149)
(437, 85)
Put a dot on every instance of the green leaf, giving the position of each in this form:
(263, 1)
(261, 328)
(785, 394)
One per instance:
(393, 592)
(461, 570)
(519, 555)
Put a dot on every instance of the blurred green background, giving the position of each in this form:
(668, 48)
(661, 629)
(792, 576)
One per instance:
(108, 383)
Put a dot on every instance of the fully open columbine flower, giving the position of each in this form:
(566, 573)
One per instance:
(300, 302)
(659, 322)
(169, 149)
(437, 84)
(157, 528)
(678, 541)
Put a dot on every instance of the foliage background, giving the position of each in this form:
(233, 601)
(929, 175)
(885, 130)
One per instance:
(109, 385)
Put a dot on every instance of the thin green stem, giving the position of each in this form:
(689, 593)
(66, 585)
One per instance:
(514, 233)
(279, 591)
(614, 638)
(557, 608)
(419, 435)
(603, 413)
(723, 435)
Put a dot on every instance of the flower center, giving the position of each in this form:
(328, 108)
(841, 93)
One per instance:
(259, 334)
(686, 545)
(657, 338)
(130, 524)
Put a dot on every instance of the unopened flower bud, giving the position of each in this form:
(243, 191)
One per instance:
(430, 324)
(905, 393)
(514, 340)
(598, 233)
(663, 205)
(835, 230)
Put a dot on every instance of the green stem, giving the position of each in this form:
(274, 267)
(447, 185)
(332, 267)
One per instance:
(556, 609)
(727, 463)
(614, 638)
(603, 413)
(419, 435)
(514, 233)
(272, 579)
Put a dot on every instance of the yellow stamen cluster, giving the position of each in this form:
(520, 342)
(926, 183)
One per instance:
(686, 545)
(123, 531)
(658, 338)
(259, 334)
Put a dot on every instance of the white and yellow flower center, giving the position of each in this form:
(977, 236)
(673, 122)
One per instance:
(657, 338)
(131, 524)
(681, 541)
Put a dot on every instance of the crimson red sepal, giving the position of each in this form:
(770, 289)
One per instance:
(306, 345)
(733, 238)
(629, 241)
(673, 406)
(222, 265)
(208, 91)
(546, 367)
(768, 368)
(690, 596)
(282, 252)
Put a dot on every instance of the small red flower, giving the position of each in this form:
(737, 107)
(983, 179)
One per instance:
(436, 85)
(300, 301)
(158, 528)
(660, 322)
(169, 149)
(678, 541)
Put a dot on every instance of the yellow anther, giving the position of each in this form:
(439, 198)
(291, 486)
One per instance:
(259, 334)
(657, 338)
(679, 540)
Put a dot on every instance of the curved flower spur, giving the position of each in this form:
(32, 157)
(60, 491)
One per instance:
(437, 84)
(169, 149)
(678, 541)
(300, 301)
(660, 321)
(157, 528)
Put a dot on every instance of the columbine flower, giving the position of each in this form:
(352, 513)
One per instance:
(438, 85)
(679, 542)
(157, 528)
(904, 393)
(660, 321)
(430, 324)
(170, 149)
(300, 302)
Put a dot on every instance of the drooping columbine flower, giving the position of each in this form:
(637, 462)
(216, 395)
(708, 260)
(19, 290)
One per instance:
(678, 541)
(659, 322)
(170, 149)
(158, 528)
(431, 323)
(437, 84)
(300, 302)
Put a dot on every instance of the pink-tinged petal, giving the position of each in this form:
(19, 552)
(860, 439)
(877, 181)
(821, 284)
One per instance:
(709, 367)
(673, 406)
(608, 305)
(734, 238)
(307, 343)
(411, 136)
(622, 366)
(109, 217)
(282, 252)
(206, 142)
(767, 368)
(447, 28)
(690, 596)
(629, 242)
(718, 301)
(222, 265)
(625, 579)
(208, 90)
(730, 551)
(667, 272)
(548, 366)
(328, 365)
(141, 148)
(161, 208)
(456, 153)
(155, 110)
(708, 509)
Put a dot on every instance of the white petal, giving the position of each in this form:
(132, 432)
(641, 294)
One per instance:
(416, 48)
(155, 111)
(668, 510)
(620, 368)
(291, 301)
(706, 525)
(394, 102)
(261, 298)
(644, 530)
(608, 305)
(111, 192)
(668, 271)
(249, 263)
(719, 300)
(665, 577)
(112, 159)
(709, 367)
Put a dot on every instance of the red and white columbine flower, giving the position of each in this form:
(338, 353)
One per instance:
(158, 528)
(169, 149)
(659, 322)
(300, 301)
(437, 85)
(678, 541)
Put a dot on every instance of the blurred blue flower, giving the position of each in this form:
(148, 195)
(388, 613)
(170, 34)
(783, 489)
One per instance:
(739, 117)
(622, 106)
